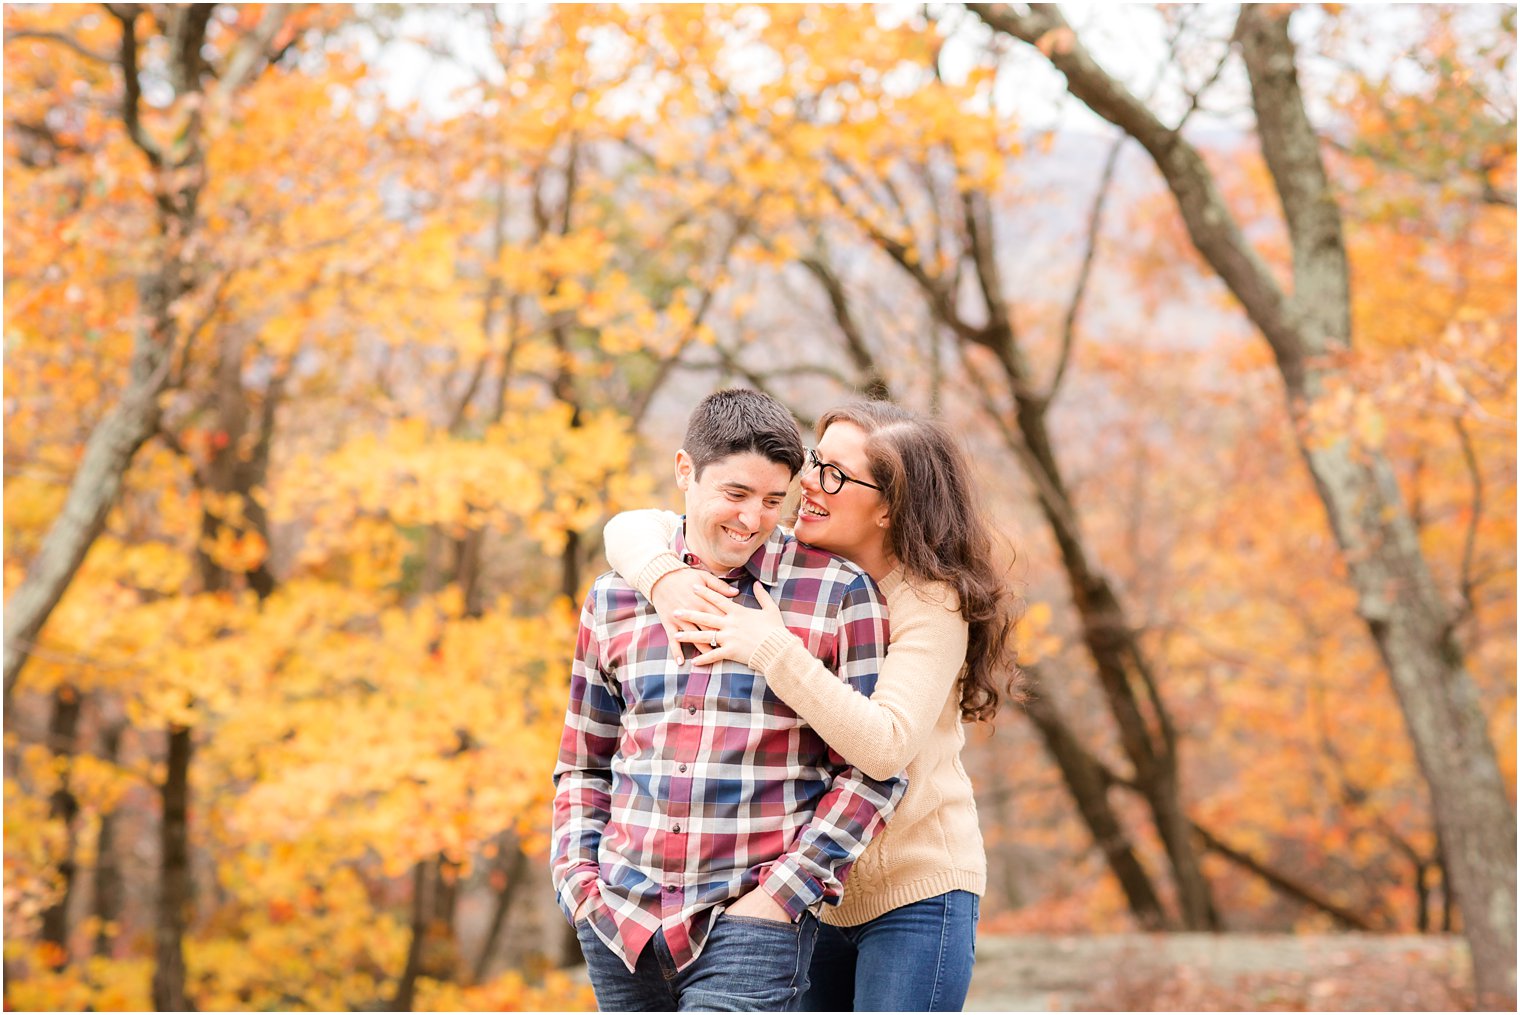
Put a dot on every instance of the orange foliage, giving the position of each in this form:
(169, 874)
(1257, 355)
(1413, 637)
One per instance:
(461, 319)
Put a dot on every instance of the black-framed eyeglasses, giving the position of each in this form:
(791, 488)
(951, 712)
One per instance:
(831, 477)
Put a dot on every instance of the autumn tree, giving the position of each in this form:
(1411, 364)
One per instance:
(1309, 331)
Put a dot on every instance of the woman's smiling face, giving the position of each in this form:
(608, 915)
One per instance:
(852, 522)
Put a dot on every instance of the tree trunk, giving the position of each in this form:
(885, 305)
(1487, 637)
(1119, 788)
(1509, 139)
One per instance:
(1088, 786)
(97, 483)
(175, 888)
(406, 988)
(1121, 665)
(109, 887)
(1397, 596)
(63, 807)
(512, 872)
(115, 440)
(1124, 671)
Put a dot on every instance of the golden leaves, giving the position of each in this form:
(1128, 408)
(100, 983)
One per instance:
(1035, 638)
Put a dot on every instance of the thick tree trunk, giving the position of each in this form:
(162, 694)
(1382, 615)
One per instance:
(175, 888)
(1397, 597)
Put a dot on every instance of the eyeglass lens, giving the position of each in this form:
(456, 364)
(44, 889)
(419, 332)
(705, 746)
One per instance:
(831, 478)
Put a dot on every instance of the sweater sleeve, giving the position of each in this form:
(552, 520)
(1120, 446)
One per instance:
(637, 544)
(882, 733)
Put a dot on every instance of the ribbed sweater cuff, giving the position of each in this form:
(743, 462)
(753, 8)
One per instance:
(653, 571)
(770, 650)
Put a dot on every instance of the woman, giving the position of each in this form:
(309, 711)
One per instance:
(890, 491)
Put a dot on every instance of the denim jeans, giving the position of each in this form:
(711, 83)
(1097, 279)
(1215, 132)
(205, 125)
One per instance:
(916, 957)
(746, 964)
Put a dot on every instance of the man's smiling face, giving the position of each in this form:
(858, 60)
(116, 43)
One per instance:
(732, 508)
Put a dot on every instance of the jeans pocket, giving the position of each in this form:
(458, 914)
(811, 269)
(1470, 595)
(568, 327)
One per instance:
(753, 964)
(760, 921)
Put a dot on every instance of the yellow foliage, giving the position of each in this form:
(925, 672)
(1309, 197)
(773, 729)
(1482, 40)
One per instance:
(271, 962)
(33, 843)
(349, 280)
(508, 992)
(95, 984)
(1035, 639)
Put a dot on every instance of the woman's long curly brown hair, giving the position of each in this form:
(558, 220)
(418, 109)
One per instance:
(938, 533)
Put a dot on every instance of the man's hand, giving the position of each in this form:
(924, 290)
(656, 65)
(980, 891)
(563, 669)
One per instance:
(678, 591)
(758, 906)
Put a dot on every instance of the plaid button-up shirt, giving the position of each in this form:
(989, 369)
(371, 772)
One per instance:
(678, 789)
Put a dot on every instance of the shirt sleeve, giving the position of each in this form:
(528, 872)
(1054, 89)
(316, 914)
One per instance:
(856, 805)
(637, 545)
(879, 734)
(583, 773)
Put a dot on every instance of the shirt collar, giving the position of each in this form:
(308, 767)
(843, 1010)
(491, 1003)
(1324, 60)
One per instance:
(764, 563)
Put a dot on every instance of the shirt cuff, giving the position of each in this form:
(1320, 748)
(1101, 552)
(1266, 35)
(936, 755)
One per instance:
(576, 889)
(771, 648)
(653, 571)
(792, 889)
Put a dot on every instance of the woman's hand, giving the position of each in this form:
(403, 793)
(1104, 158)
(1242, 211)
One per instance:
(677, 591)
(739, 629)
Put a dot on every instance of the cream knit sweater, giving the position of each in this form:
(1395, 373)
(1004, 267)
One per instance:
(932, 844)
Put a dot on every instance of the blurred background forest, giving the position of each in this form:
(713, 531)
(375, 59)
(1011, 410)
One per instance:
(333, 335)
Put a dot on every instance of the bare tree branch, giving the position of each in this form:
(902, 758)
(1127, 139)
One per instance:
(1282, 882)
(940, 296)
(22, 34)
(131, 105)
(253, 52)
(1094, 227)
(1214, 229)
(1196, 97)
(855, 344)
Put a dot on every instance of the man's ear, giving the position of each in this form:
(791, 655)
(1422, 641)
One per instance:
(686, 469)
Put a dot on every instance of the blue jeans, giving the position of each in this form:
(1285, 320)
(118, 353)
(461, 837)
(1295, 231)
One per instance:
(916, 957)
(746, 964)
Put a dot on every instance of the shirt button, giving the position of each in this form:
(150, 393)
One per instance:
(675, 828)
(670, 888)
(683, 766)
(692, 709)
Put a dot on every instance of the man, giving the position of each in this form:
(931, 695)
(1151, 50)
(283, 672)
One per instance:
(698, 823)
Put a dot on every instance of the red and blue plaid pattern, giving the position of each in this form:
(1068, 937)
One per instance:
(678, 789)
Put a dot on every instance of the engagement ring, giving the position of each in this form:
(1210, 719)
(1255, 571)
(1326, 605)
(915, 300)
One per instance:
(713, 639)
